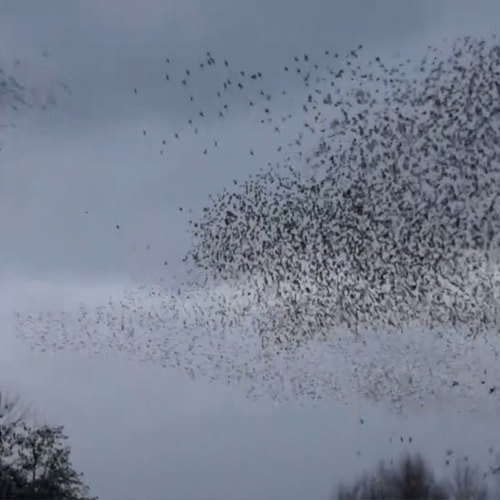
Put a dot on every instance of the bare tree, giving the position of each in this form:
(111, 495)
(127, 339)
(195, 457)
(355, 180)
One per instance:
(16, 93)
(34, 461)
(413, 478)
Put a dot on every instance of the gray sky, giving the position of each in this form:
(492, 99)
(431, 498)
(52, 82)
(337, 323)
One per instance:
(103, 50)
(141, 431)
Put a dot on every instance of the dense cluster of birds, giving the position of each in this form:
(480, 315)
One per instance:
(390, 222)
(396, 224)
(211, 335)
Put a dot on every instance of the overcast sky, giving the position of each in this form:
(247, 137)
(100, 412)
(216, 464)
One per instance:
(142, 431)
(89, 154)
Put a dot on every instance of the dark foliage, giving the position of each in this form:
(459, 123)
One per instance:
(413, 479)
(34, 461)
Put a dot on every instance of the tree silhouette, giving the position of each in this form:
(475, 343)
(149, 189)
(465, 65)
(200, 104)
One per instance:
(12, 93)
(412, 478)
(17, 94)
(34, 461)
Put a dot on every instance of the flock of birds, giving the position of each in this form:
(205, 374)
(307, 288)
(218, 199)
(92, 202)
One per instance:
(235, 88)
(210, 335)
(389, 225)
(398, 223)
